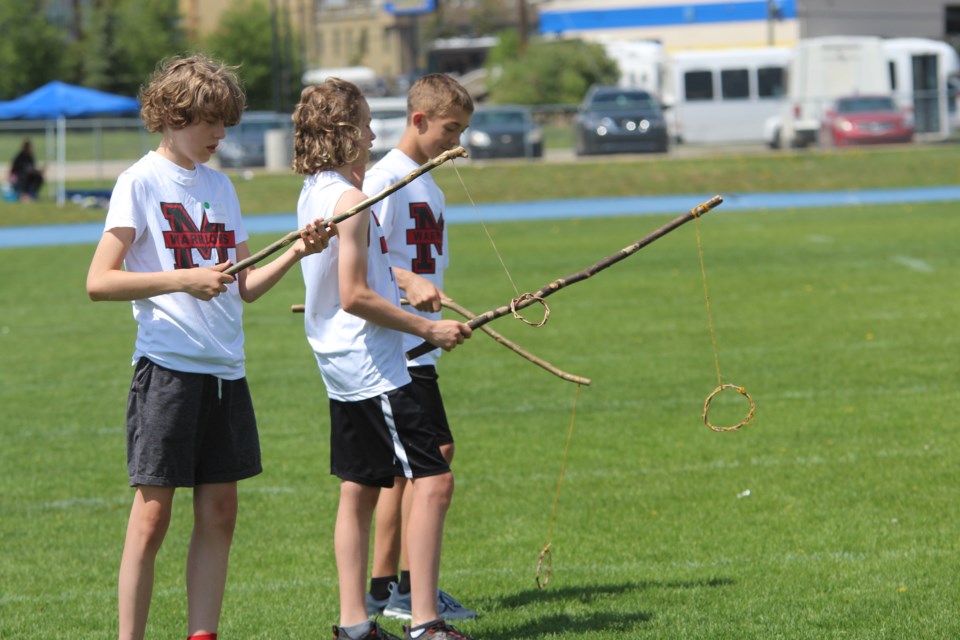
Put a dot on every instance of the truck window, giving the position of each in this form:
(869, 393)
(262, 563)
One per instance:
(734, 84)
(698, 85)
(770, 82)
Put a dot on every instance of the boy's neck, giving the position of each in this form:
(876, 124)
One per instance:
(177, 159)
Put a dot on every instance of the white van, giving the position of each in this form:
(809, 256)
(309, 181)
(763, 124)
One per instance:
(821, 70)
(923, 77)
(723, 95)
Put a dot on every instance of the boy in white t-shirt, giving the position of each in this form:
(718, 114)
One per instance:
(438, 111)
(172, 229)
(353, 321)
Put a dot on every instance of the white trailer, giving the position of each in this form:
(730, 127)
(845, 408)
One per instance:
(821, 70)
(641, 63)
(923, 77)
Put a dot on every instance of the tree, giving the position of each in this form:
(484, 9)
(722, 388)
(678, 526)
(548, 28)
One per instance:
(245, 37)
(121, 42)
(551, 72)
(31, 47)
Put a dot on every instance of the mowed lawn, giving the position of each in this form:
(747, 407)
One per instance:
(833, 515)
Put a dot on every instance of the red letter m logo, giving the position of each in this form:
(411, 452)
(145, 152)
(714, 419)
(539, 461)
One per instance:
(426, 233)
(184, 237)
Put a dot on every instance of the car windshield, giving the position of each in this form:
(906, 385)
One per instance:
(624, 100)
(497, 117)
(863, 105)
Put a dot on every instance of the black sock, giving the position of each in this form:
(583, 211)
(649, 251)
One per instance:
(380, 587)
(404, 585)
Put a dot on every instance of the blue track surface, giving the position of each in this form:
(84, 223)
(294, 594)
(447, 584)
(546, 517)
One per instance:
(48, 235)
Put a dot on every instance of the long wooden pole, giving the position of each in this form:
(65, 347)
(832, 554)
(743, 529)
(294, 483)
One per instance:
(456, 152)
(509, 344)
(579, 276)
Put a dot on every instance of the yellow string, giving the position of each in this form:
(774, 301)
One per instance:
(706, 296)
(476, 213)
(556, 495)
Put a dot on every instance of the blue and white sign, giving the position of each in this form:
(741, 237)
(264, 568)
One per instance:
(410, 7)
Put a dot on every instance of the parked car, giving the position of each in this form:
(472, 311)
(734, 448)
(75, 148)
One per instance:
(617, 120)
(388, 119)
(503, 132)
(244, 144)
(865, 120)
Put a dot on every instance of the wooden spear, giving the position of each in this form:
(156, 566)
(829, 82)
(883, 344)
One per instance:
(456, 152)
(560, 283)
(509, 344)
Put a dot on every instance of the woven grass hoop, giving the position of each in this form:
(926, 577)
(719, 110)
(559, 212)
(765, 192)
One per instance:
(523, 298)
(741, 391)
(544, 567)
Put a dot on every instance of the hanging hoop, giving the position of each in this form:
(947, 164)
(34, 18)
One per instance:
(523, 298)
(741, 391)
(544, 567)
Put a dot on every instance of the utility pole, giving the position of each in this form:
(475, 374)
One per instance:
(275, 56)
(773, 14)
(522, 20)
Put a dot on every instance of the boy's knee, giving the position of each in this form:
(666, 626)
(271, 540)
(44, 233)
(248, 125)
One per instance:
(217, 512)
(150, 527)
(437, 489)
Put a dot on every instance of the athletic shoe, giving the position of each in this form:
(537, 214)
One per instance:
(376, 633)
(398, 606)
(438, 630)
(375, 607)
(449, 609)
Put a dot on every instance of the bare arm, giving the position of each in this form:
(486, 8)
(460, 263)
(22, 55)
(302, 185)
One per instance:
(107, 280)
(420, 292)
(357, 297)
(254, 281)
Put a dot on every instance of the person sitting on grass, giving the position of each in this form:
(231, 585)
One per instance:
(25, 176)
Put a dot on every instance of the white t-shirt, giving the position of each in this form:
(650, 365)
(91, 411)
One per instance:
(412, 221)
(182, 219)
(357, 359)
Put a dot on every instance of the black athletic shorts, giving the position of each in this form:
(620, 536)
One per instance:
(428, 393)
(373, 441)
(185, 429)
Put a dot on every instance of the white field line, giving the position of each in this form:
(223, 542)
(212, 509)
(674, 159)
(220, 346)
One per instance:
(914, 263)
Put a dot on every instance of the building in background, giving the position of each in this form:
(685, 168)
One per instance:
(686, 24)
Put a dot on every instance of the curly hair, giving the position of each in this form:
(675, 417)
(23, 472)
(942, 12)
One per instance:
(185, 90)
(327, 131)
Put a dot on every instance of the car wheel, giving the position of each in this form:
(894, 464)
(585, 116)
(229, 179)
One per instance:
(775, 142)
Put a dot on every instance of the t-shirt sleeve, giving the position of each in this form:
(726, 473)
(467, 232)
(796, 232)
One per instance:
(126, 205)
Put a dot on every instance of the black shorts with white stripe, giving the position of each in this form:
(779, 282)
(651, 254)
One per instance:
(373, 441)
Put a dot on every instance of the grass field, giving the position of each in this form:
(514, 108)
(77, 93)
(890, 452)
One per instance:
(841, 323)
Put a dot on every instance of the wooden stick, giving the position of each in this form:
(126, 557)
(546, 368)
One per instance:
(456, 152)
(560, 283)
(509, 344)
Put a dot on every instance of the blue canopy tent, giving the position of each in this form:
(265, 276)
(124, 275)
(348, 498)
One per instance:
(58, 101)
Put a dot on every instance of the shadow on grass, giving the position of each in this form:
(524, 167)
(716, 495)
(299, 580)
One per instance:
(589, 593)
(609, 622)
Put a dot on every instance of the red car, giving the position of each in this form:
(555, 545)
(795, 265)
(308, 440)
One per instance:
(865, 120)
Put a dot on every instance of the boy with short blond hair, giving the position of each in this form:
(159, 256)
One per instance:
(438, 111)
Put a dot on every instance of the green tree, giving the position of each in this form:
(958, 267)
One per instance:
(551, 72)
(31, 47)
(121, 42)
(245, 37)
